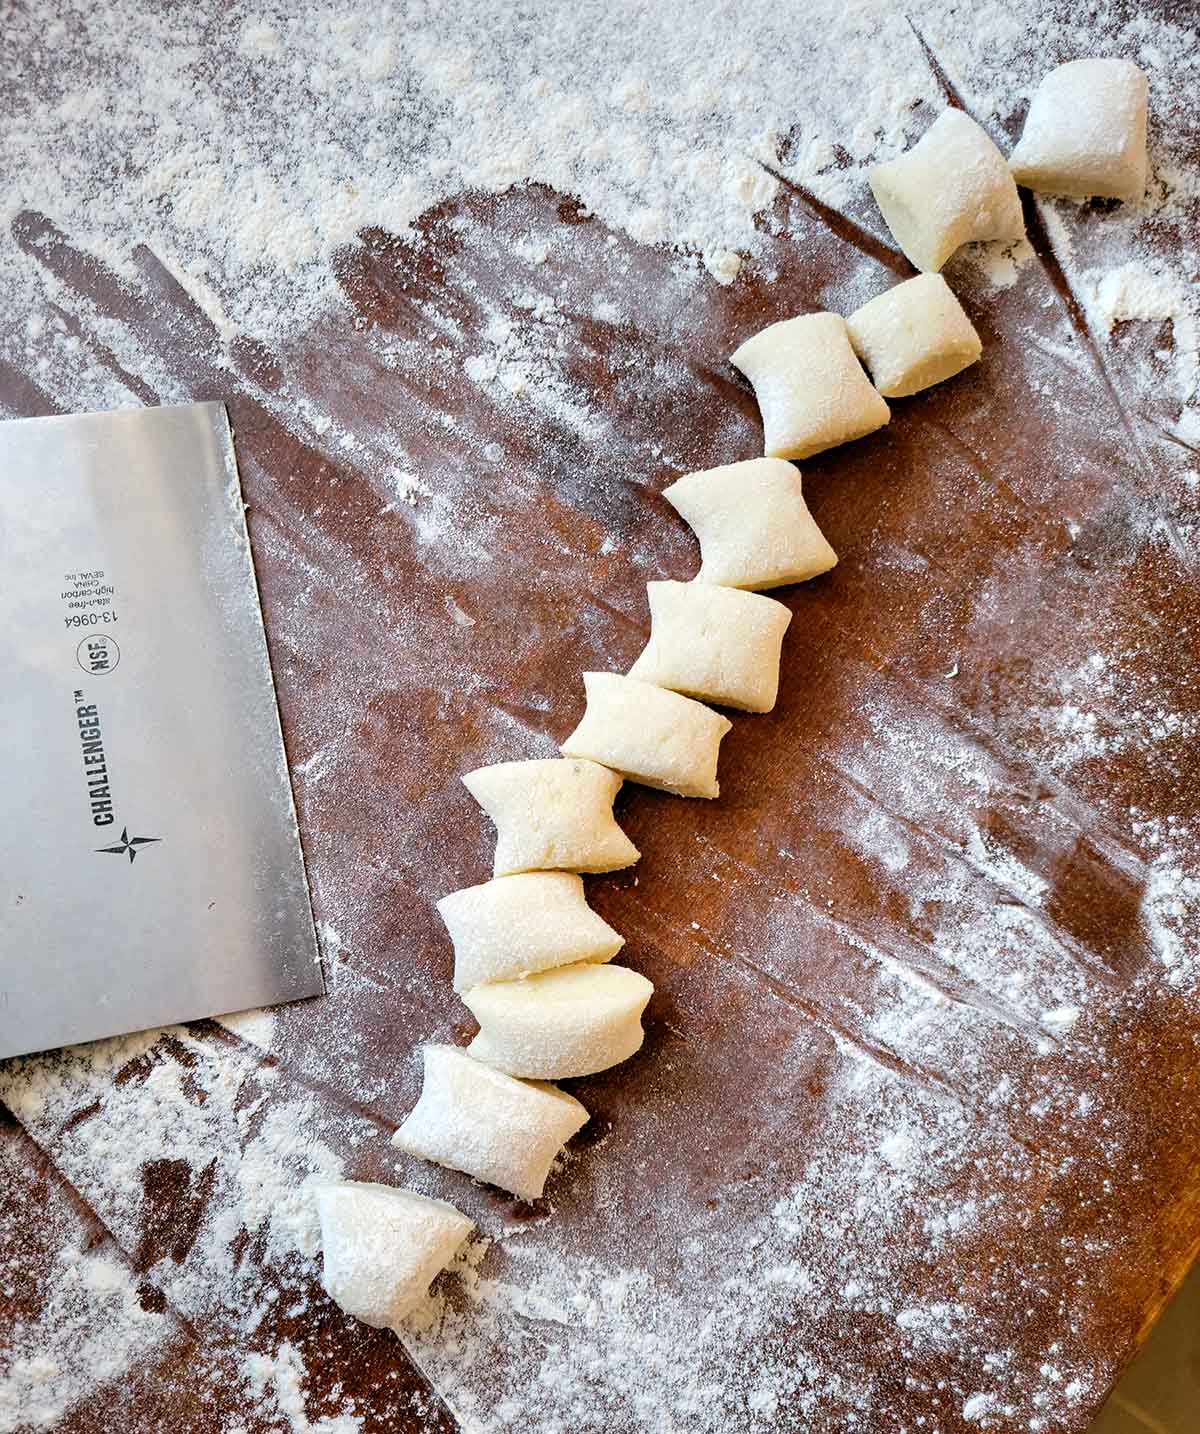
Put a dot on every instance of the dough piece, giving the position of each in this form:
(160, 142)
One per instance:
(913, 336)
(649, 735)
(754, 526)
(382, 1247)
(516, 924)
(552, 814)
(569, 1022)
(953, 187)
(811, 389)
(717, 644)
(483, 1122)
(1085, 133)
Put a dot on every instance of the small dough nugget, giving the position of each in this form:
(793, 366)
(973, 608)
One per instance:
(1085, 133)
(480, 1121)
(572, 1021)
(717, 644)
(913, 336)
(754, 526)
(952, 188)
(552, 814)
(512, 925)
(649, 735)
(811, 389)
(382, 1247)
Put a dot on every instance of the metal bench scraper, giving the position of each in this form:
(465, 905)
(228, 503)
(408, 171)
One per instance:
(150, 864)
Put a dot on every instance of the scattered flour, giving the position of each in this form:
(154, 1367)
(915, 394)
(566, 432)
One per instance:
(208, 1117)
(279, 1379)
(1171, 908)
(330, 124)
(698, 1348)
(1133, 292)
(91, 1330)
(257, 1027)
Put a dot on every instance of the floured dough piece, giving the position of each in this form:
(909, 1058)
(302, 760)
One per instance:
(714, 643)
(811, 389)
(480, 1121)
(572, 1021)
(754, 526)
(953, 187)
(1085, 133)
(913, 336)
(552, 814)
(512, 925)
(649, 735)
(382, 1247)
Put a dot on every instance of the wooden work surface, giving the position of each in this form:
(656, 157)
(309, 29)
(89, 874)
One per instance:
(864, 1161)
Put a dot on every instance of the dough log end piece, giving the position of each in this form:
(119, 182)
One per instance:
(382, 1247)
(1085, 134)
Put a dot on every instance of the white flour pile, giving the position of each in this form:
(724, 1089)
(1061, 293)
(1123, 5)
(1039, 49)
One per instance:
(331, 122)
(246, 154)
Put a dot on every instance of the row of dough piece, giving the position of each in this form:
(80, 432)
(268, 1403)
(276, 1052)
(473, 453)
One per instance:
(530, 955)
(808, 379)
(531, 959)
(717, 644)
(1085, 135)
(383, 1246)
(715, 639)
(530, 964)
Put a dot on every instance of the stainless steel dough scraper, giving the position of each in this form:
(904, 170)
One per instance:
(150, 865)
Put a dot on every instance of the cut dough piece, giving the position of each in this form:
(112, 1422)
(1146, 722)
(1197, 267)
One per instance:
(953, 187)
(811, 389)
(480, 1121)
(552, 815)
(913, 336)
(754, 526)
(512, 925)
(1085, 133)
(649, 735)
(382, 1247)
(573, 1021)
(717, 644)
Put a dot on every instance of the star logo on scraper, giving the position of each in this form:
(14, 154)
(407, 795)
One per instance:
(128, 844)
